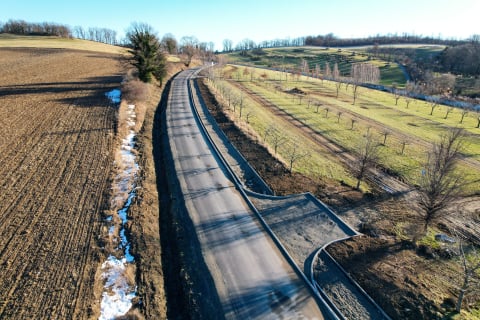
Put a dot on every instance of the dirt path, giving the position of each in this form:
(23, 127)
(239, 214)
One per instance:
(57, 134)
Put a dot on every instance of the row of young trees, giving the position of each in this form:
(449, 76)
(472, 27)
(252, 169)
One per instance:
(440, 182)
(439, 185)
(249, 44)
(273, 134)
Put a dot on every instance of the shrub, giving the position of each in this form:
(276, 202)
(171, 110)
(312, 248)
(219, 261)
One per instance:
(135, 91)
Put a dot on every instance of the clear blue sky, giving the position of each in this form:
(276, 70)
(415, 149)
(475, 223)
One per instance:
(215, 20)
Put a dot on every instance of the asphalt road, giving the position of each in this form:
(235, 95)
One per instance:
(252, 277)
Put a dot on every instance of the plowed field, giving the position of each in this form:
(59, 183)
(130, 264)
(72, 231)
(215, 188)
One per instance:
(57, 133)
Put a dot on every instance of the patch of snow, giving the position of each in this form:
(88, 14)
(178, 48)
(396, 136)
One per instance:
(117, 296)
(118, 293)
(114, 95)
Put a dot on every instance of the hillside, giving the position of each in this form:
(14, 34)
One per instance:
(17, 41)
(292, 58)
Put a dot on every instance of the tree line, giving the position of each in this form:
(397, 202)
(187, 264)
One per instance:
(249, 44)
(103, 35)
(22, 27)
(330, 40)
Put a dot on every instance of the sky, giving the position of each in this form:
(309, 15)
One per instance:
(259, 20)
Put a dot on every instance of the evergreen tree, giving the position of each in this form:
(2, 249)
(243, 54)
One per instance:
(145, 52)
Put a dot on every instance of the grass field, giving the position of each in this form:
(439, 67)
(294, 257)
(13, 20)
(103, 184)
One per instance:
(405, 133)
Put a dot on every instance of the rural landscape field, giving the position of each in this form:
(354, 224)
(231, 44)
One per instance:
(156, 179)
(58, 136)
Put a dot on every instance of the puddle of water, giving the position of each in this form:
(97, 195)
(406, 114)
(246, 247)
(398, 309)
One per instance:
(114, 95)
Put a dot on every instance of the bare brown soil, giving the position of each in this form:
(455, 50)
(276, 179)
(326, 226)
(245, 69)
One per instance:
(408, 283)
(57, 134)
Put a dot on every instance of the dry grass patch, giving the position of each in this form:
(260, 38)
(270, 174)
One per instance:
(18, 41)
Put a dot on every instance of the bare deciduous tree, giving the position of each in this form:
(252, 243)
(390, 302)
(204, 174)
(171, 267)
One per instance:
(268, 131)
(169, 43)
(338, 85)
(189, 47)
(408, 99)
(449, 110)
(227, 45)
(353, 123)
(433, 101)
(241, 104)
(404, 143)
(464, 112)
(246, 72)
(363, 73)
(440, 183)
(339, 114)
(249, 115)
(278, 139)
(368, 155)
(294, 155)
(385, 134)
(396, 92)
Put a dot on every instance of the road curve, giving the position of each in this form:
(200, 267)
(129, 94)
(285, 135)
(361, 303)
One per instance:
(252, 278)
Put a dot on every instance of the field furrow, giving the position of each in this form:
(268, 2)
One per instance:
(56, 156)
